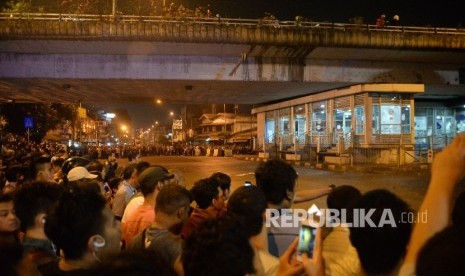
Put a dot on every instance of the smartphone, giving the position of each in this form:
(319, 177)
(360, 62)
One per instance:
(307, 235)
(247, 183)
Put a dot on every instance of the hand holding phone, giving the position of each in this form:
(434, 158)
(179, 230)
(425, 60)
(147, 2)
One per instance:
(307, 236)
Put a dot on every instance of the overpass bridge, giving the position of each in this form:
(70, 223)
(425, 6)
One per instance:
(101, 59)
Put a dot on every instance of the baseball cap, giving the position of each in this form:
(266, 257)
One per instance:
(78, 173)
(153, 175)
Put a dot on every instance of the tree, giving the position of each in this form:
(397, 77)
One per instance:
(45, 118)
(21, 6)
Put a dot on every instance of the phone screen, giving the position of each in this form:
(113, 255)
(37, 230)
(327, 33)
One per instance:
(247, 183)
(307, 240)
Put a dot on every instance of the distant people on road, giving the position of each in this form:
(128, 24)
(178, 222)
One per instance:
(381, 21)
(395, 20)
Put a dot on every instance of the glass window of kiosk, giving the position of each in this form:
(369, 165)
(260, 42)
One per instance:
(319, 117)
(359, 120)
(299, 123)
(284, 126)
(270, 124)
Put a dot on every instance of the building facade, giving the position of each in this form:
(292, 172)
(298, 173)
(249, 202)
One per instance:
(226, 128)
(365, 123)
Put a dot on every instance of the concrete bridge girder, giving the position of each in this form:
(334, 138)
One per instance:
(33, 70)
(155, 67)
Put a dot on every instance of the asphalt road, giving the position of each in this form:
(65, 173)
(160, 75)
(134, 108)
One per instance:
(411, 186)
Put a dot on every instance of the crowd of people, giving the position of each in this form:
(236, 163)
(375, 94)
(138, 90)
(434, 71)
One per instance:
(78, 216)
(382, 21)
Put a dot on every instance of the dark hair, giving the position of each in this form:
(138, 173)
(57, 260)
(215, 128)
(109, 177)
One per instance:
(5, 197)
(218, 247)
(34, 198)
(204, 191)
(77, 216)
(343, 197)
(57, 161)
(381, 248)
(95, 167)
(141, 166)
(443, 254)
(249, 203)
(72, 162)
(114, 182)
(133, 263)
(275, 178)
(12, 172)
(458, 212)
(171, 198)
(128, 170)
(223, 180)
(38, 164)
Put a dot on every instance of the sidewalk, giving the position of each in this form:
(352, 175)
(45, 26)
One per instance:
(414, 167)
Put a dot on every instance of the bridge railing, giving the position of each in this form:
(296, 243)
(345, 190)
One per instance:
(229, 21)
(227, 30)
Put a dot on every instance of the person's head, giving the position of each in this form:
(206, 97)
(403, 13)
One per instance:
(72, 162)
(12, 173)
(130, 174)
(381, 246)
(81, 225)
(249, 203)
(114, 183)
(42, 169)
(80, 173)
(277, 180)
(153, 177)
(207, 193)
(458, 212)
(218, 247)
(224, 181)
(34, 201)
(57, 163)
(95, 167)
(141, 166)
(9, 223)
(343, 197)
(173, 201)
(443, 254)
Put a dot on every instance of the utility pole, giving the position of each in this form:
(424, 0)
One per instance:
(113, 10)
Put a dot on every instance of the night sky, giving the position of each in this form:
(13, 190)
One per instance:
(411, 12)
(448, 13)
